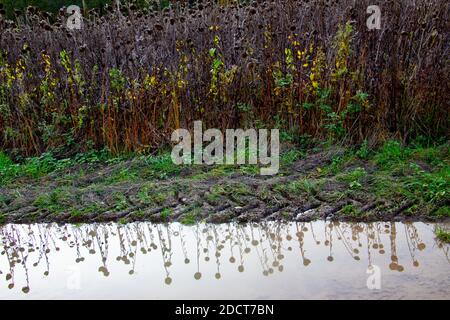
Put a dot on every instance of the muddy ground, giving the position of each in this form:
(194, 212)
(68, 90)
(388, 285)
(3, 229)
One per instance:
(118, 192)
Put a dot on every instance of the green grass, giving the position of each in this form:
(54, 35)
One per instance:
(351, 210)
(91, 208)
(76, 213)
(46, 163)
(383, 186)
(286, 159)
(213, 198)
(214, 171)
(442, 212)
(2, 219)
(144, 194)
(3, 200)
(431, 187)
(123, 174)
(338, 163)
(417, 173)
(390, 154)
(166, 213)
(191, 217)
(353, 178)
(233, 190)
(33, 167)
(250, 170)
(140, 214)
(298, 187)
(443, 235)
(289, 157)
(159, 198)
(364, 151)
(354, 175)
(236, 189)
(393, 155)
(160, 167)
(55, 202)
(149, 194)
(121, 202)
(422, 187)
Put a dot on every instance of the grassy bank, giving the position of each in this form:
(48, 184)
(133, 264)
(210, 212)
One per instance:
(443, 235)
(321, 181)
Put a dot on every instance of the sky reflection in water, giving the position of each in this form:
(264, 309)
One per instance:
(255, 261)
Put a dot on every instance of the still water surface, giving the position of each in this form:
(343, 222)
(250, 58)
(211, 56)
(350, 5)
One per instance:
(324, 260)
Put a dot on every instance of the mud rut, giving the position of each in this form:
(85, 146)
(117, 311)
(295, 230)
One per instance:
(236, 197)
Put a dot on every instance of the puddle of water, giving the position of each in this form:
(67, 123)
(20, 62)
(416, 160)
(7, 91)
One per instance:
(275, 260)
